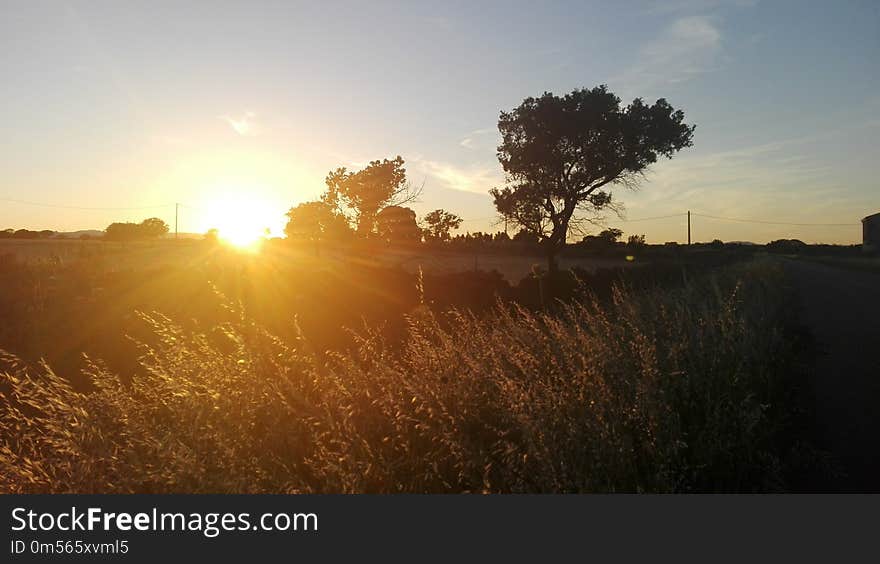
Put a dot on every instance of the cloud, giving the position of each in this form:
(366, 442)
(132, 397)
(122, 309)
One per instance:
(767, 181)
(781, 181)
(477, 178)
(476, 137)
(686, 48)
(244, 125)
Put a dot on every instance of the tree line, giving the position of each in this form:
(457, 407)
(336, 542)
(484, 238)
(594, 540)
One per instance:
(151, 228)
(561, 155)
(26, 234)
(368, 204)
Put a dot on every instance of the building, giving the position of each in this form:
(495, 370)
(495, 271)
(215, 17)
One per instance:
(871, 233)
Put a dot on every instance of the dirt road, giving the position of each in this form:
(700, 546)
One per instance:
(842, 309)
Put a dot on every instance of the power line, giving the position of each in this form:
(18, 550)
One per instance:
(67, 207)
(742, 220)
(654, 218)
(480, 218)
(649, 218)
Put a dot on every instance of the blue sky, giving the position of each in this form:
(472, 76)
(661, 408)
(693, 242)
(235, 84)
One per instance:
(246, 105)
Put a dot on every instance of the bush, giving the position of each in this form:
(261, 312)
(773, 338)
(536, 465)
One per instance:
(683, 389)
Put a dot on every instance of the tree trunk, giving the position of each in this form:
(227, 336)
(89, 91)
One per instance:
(552, 264)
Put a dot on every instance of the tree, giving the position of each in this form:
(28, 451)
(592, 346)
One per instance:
(439, 224)
(121, 232)
(611, 235)
(365, 192)
(562, 155)
(397, 224)
(635, 241)
(526, 237)
(316, 222)
(153, 228)
(501, 237)
(605, 240)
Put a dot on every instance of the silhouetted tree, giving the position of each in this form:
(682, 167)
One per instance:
(610, 235)
(562, 154)
(121, 231)
(365, 192)
(605, 240)
(525, 236)
(397, 224)
(151, 228)
(635, 241)
(316, 222)
(439, 223)
(787, 246)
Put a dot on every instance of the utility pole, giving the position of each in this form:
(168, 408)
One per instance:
(176, 205)
(689, 227)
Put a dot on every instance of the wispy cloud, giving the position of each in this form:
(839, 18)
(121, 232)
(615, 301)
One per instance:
(767, 181)
(476, 137)
(244, 125)
(477, 178)
(686, 48)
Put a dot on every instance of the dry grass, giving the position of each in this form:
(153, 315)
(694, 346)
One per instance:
(670, 390)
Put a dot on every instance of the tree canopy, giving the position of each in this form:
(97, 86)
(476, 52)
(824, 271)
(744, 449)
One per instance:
(562, 155)
(151, 228)
(316, 222)
(397, 224)
(439, 224)
(365, 192)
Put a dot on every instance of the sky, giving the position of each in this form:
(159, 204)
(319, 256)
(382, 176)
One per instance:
(239, 109)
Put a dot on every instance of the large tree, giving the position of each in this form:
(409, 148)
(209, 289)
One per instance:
(562, 155)
(316, 222)
(397, 224)
(152, 228)
(439, 223)
(365, 192)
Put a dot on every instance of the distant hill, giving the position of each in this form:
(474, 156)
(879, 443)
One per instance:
(93, 233)
(98, 234)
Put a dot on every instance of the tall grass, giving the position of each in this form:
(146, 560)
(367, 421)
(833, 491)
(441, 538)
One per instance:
(681, 389)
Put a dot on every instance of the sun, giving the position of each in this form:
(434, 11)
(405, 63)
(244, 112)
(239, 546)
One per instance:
(243, 237)
(241, 220)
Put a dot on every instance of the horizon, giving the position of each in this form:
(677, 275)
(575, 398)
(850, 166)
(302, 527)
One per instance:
(236, 107)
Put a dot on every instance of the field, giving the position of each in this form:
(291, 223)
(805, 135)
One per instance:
(193, 368)
(169, 252)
